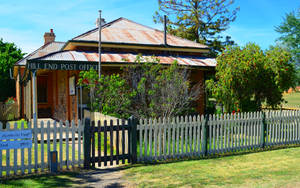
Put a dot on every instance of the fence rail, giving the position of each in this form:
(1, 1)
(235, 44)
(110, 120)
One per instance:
(32, 154)
(215, 134)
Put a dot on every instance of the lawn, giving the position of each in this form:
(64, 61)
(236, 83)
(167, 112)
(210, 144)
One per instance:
(19, 124)
(43, 181)
(293, 99)
(278, 168)
(11, 152)
(45, 157)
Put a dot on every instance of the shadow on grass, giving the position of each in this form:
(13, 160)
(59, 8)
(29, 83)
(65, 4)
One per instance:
(95, 177)
(82, 178)
(45, 180)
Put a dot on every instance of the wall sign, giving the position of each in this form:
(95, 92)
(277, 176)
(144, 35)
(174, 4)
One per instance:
(35, 65)
(21, 135)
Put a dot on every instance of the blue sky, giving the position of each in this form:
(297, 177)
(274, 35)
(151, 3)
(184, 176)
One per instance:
(25, 21)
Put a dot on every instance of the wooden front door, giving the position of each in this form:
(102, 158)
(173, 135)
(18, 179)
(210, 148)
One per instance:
(44, 95)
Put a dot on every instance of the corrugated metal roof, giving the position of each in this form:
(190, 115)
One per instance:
(127, 58)
(123, 30)
(42, 51)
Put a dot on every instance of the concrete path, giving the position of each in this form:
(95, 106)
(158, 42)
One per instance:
(103, 178)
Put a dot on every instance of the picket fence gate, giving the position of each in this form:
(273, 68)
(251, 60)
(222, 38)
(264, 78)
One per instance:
(183, 137)
(33, 156)
(109, 143)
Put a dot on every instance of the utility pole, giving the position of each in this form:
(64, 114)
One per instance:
(99, 46)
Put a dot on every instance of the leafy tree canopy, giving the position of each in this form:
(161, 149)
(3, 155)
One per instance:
(247, 76)
(9, 55)
(290, 34)
(198, 20)
(110, 94)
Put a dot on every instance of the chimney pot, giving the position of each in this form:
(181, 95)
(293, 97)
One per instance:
(49, 37)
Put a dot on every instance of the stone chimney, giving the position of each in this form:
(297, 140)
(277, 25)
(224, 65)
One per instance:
(49, 37)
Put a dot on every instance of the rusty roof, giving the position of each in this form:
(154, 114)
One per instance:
(42, 51)
(123, 30)
(113, 57)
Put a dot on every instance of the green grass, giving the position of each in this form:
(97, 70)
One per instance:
(47, 181)
(19, 124)
(189, 147)
(293, 99)
(11, 155)
(102, 143)
(276, 168)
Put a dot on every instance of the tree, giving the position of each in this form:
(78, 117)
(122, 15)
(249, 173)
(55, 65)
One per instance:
(290, 30)
(298, 77)
(198, 20)
(146, 89)
(160, 91)
(9, 55)
(110, 94)
(247, 77)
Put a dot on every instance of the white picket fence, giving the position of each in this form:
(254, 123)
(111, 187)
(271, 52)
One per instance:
(283, 127)
(217, 134)
(25, 149)
(28, 149)
(170, 138)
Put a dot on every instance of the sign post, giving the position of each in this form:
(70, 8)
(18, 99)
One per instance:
(99, 47)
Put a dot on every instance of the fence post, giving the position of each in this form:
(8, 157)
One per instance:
(263, 130)
(53, 161)
(205, 137)
(133, 138)
(87, 143)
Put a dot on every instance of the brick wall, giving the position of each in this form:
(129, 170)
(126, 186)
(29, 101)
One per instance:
(60, 107)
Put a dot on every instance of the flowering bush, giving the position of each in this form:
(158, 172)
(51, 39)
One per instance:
(8, 109)
(11, 100)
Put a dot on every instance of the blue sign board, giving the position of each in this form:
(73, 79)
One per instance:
(17, 139)
(17, 144)
(18, 134)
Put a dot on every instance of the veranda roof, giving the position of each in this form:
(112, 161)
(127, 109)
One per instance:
(123, 58)
(42, 51)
